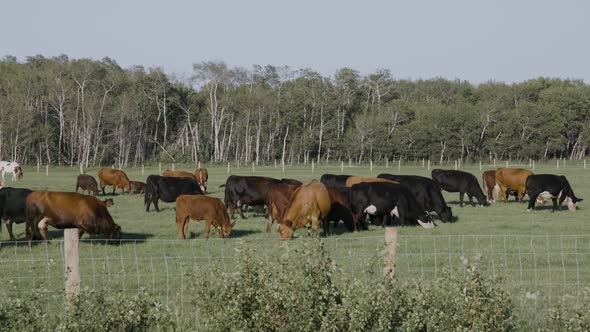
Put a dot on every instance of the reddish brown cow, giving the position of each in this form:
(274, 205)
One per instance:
(199, 207)
(202, 177)
(179, 174)
(512, 179)
(68, 210)
(352, 180)
(115, 178)
(137, 187)
(279, 197)
(310, 203)
(489, 183)
(87, 183)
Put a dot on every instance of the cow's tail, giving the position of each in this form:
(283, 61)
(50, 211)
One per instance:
(222, 186)
(149, 191)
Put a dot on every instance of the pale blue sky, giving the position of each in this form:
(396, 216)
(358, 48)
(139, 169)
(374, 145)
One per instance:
(473, 40)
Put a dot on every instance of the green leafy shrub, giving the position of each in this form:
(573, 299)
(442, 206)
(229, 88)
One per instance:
(565, 318)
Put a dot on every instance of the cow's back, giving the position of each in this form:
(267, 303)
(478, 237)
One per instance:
(512, 177)
(352, 180)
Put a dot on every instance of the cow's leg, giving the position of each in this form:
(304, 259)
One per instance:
(461, 194)
(555, 208)
(80, 233)
(325, 226)
(181, 226)
(9, 228)
(43, 228)
(232, 211)
(186, 222)
(155, 201)
(532, 201)
(114, 188)
(471, 199)
(207, 229)
(240, 212)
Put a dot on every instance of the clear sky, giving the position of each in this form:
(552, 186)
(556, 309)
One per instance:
(468, 39)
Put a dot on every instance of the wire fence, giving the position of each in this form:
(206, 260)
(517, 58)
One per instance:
(536, 270)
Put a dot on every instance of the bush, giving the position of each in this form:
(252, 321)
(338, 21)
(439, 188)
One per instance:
(565, 318)
(305, 294)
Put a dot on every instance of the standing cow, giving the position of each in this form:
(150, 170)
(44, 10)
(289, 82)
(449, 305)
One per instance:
(68, 210)
(334, 181)
(549, 186)
(202, 177)
(115, 178)
(462, 182)
(12, 207)
(511, 179)
(11, 167)
(167, 189)
(87, 183)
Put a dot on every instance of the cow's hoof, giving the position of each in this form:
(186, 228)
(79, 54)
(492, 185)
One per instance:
(528, 210)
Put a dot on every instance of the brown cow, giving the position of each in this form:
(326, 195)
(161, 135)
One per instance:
(115, 178)
(199, 207)
(512, 179)
(87, 183)
(179, 174)
(352, 180)
(68, 210)
(279, 197)
(202, 177)
(489, 183)
(137, 187)
(310, 203)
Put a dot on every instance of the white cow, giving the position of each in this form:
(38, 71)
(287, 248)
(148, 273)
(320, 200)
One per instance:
(11, 167)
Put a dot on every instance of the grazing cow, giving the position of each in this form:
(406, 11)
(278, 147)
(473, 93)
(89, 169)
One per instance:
(179, 174)
(427, 193)
(115, 178)
(167, 189)
(511, 179)
(108, 202)
(310, 203)
(250, 190)
(11, 167)
(87, 183)
(387, 200)
(202, 177)
(278, 202)
(334, 181)
(137, 187)
(549, 186)
(489, 183)
(69, 210)
(340, 209)
(352, 180)
(12, 207)
(461, 182)
(200, 207)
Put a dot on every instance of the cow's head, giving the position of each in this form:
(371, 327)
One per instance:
(116, 233)
(572, 203)
(425, 220)
(226, 229)
(109, 202)
(19, 172)
(285, 230)
(446, 215)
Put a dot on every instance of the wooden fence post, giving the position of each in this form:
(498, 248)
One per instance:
(72, 265)
(160, 168)
(39, 166)
(312, 166)
(390, 249)
(494, 162)
(47, 170)
(386, 162)
(480, 165)
(371, 163)
(399, 164)
(557, 166)
(533, 167)
(506, 163)
(253, 167)
(173, 167)
(342, 167)
(228, 167)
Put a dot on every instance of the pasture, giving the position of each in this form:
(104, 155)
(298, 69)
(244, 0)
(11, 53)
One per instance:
(539, 256)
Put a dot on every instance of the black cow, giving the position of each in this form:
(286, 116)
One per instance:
(461, 182)
(547, 186)
(427, 193)
(250, 190)
(168, 189)
(334, 181)
(12, 207)
(386, 200)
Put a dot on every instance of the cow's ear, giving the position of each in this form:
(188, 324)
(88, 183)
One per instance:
(579, 200)
(288, 223)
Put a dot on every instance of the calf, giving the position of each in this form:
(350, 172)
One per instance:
(137, 187)
(461, 182)
(167, 189)
(387, 200)
(87, 183)
(310, 203)
(554, 187)
(68, 210)
(427, 193)
(200, 207)
(279, 197)
(115, 178)
(12, 207)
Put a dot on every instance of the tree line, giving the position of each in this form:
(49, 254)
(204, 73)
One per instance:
(62, 111)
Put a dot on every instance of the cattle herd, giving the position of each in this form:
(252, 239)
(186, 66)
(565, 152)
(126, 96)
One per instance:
(352, 200)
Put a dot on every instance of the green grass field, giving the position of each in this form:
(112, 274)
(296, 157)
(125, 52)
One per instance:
(541, 256)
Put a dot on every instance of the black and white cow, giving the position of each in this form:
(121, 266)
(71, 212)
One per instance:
(427, 193)
(549, 186)
(461, 182)
(12, 207)
(387, 200)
